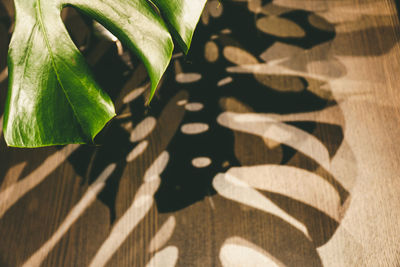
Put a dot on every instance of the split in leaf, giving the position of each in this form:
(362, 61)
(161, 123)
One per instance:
(53, 98)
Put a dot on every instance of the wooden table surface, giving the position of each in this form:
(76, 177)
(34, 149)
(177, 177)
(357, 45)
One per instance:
(275, 142)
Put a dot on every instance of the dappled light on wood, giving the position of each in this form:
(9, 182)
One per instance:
(273, 142)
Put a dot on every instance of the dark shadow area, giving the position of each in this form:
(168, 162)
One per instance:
(397, 3)
(320, 226)
(292, 96)
(5, 24)
(184, 184)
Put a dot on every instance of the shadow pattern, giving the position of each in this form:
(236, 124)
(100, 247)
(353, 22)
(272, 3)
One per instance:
(221, 75)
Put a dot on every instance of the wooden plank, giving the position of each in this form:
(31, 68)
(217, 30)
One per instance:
(274, 143)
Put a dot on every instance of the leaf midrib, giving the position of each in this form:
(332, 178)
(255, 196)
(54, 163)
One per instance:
(39, 16)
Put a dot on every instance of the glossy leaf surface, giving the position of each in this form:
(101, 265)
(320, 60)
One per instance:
(53, 98)
(181, 17)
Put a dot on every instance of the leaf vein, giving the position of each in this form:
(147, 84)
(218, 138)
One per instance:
(41, 25)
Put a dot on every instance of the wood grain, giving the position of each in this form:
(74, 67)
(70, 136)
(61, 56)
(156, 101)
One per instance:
(298, 164)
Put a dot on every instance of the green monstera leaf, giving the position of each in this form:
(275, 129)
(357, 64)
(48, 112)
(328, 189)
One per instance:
(53, 98)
